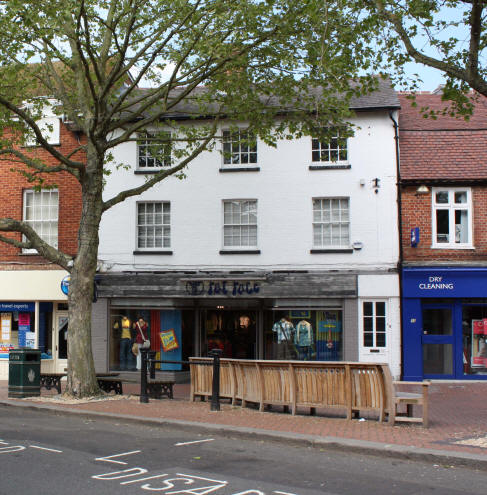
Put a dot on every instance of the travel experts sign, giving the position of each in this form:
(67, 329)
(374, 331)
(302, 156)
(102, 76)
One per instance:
(445, 282)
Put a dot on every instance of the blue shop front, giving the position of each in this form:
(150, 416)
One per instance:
(444, 323)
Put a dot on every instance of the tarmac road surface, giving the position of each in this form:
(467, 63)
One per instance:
(50, 454)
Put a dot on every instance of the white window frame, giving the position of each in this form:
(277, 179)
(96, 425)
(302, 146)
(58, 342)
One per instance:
(322, 223)
(374, 317)
(143, 146)
(240, 247)
(52, 240)
(325, 147)
(228, 156)
(154, 225)
(451, 207)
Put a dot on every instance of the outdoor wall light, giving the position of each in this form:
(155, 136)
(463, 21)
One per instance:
(422, 189)
(376, 183)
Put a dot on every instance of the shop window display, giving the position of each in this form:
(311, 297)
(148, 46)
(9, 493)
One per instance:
(157, 326)
(305, 335)
(474, 337)
(234, 332)
(17, 330)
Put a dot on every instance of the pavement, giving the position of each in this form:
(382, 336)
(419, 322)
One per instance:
(457, 434)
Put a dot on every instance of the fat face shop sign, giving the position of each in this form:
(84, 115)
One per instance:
(230, 288)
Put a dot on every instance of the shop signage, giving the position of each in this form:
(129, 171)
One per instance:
(233, 288)
(65, 284)
(444, 282)
(17, 306)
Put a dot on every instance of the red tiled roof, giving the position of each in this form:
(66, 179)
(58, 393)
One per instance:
(445, 148)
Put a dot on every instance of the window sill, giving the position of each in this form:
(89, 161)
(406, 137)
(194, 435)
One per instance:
(146, 172)
(463, 248)
(239, 169)
(331, 250)
(162, 253)
(339, 166)
(240, 251)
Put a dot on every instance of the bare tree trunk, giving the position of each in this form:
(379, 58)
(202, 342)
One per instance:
(81, 369)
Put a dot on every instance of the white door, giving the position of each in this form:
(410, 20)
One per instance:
(61, 341)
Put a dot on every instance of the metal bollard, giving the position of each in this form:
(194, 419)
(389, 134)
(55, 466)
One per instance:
(152, 365)
(215, 390)
(144, 398)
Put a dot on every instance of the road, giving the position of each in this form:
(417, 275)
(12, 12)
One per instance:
(45, 453)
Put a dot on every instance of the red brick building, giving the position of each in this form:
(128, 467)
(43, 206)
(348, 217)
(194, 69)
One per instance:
(443, 164)
(33, 308)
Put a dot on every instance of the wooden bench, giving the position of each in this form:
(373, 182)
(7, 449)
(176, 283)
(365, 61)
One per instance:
(346, 386)
(108, 383)
(156, 389)
(51, 380)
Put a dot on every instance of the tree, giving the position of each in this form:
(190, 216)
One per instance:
(240, 60)
(447, 35)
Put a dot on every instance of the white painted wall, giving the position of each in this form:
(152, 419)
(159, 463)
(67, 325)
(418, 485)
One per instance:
(284, 188)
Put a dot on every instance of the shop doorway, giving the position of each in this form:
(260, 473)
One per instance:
(61, 341)
(234, 332)
(438, 341)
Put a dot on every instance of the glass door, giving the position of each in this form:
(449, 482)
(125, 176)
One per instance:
(61, 344)
(438, 341)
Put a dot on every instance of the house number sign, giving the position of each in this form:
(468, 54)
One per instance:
(233, 288)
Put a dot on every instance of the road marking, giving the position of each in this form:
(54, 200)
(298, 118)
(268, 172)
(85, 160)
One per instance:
(283, 493)
(12, 448)
(195, 441)
(109, 457)
(3, 443)
(45, 448)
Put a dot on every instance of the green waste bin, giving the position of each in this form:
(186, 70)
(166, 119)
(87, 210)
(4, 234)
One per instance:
(24, 369)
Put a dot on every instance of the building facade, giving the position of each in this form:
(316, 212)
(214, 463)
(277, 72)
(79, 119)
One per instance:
(444, 242)
(33, 306)
(273, 253)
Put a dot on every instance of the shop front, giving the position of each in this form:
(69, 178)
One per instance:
(445, 323)
(246, 315)
(33, 313)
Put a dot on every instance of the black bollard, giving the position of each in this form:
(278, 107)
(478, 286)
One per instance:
(215, 390)
(144, 398)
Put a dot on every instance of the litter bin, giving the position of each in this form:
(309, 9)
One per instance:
(24, 369)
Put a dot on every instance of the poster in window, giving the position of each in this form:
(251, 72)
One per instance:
(169, 340)
(6, 320)
(479, 344)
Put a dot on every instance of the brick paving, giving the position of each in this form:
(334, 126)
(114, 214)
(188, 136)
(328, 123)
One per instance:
(458, 413)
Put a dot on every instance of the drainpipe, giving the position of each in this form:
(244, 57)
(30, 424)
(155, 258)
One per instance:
(399, 224)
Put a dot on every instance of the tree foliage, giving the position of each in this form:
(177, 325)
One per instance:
(447, 35)
(115, 69)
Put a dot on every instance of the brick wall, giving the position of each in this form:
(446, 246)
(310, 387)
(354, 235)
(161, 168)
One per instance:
(12, 185)
(417, 212)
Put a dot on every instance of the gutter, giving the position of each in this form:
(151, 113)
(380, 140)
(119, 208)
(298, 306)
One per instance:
(399, 224)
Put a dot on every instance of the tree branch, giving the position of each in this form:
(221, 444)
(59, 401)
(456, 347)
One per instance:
(35, 242)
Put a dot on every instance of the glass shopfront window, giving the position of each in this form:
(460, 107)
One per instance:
(474, 339)
(17, 327)
(306, 335)
(232, 331)
(171, 335)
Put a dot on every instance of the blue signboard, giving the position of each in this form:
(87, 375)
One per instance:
(414, 236)
(435, 282)
(65, 284)
(26, 307)
(171, 320)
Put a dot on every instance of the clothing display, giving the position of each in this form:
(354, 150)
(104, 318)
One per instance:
(284, 330)
(126, 340)
(304, 334)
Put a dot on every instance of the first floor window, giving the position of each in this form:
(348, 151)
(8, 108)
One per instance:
(240, 223)
(153, 225)
(452, 217)
(154, 153)
(374, 323)
(41, 211)
(239, 148)
(331, 222)
(333, 149)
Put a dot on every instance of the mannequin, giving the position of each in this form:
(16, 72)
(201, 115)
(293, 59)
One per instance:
(304, 340)
(284, 347)
(126, 341)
